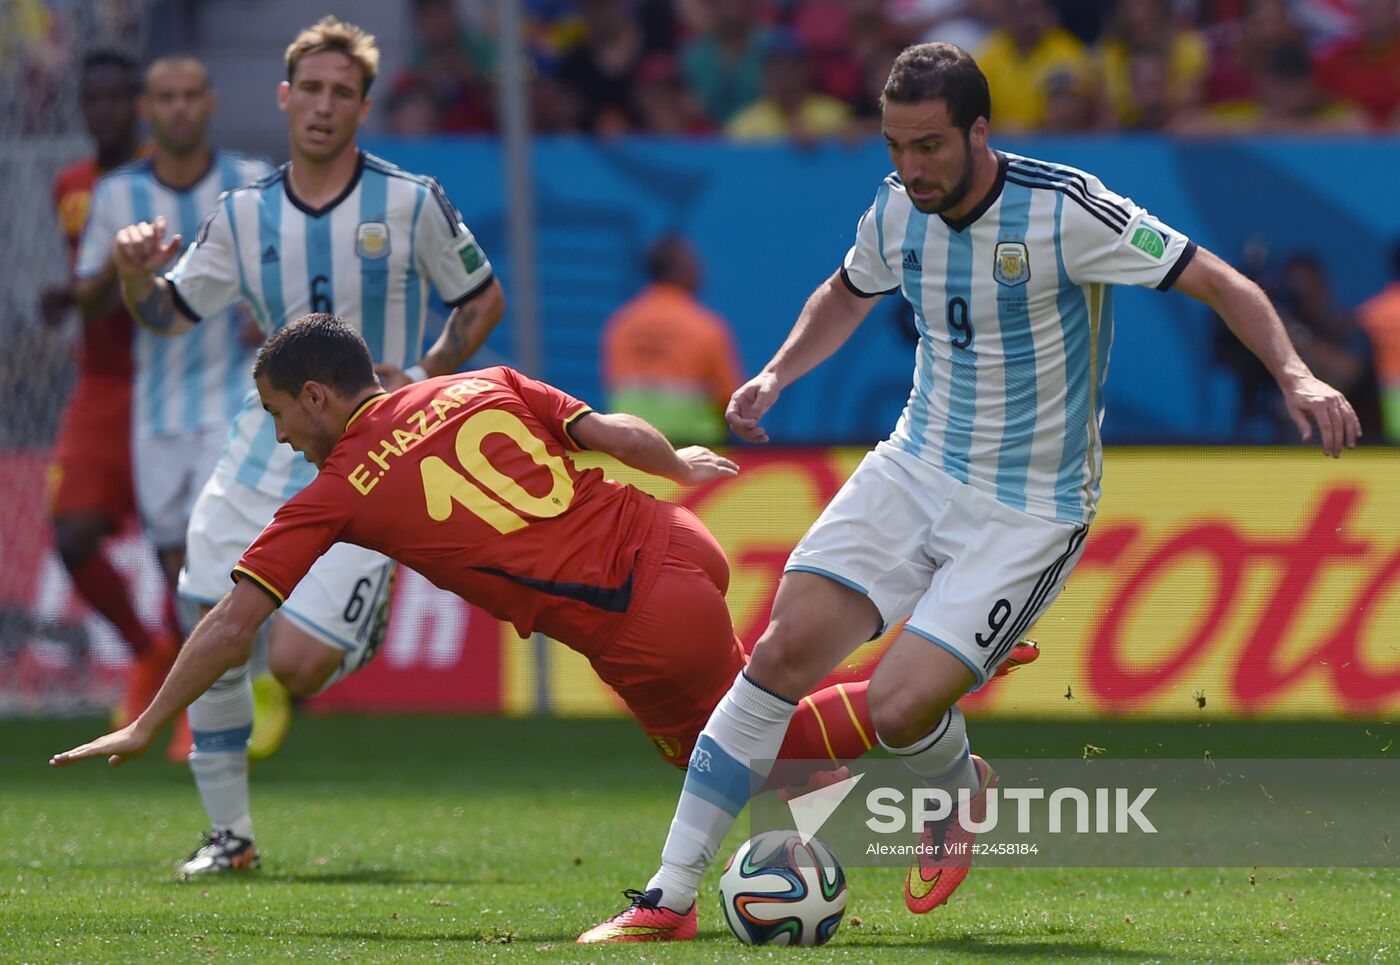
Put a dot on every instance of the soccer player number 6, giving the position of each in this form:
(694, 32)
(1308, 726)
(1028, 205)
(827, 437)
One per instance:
(443, 485)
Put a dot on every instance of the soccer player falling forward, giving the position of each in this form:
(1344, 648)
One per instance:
(336, 229)
(968, 520)
(187, 390)
(466, 479)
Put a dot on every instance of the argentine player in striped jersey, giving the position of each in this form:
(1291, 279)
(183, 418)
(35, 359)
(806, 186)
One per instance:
(188, 390)
(335, 230)
(967, 520)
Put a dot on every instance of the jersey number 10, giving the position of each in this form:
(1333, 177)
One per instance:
(444, 486)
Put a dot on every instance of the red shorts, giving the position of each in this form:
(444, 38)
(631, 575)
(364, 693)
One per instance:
(91, 469)
(678, 655)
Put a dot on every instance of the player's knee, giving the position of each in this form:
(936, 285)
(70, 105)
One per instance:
(781, 663)
(303, 673)
(903, 715)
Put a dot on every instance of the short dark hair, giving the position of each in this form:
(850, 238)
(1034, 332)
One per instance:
(318, 347)
(929, 72)
(114, 60)
(663, 254)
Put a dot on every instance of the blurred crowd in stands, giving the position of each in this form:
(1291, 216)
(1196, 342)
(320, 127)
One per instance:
(809, 69)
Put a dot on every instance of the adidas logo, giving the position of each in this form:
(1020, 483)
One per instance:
(911, 261)
(269, 255)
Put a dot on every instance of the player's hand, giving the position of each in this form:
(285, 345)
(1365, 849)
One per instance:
(748, 404)
(703, 465)
(141, 248)
(118, 747)
(391, 376)
(1310, 400)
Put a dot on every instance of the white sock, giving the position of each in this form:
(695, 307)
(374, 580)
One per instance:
(941, 757)
(732, 758)
(221, 719)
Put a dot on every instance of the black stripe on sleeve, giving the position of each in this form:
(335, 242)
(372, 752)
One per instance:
(448, 211)
(1067, 192)
(180, 303)
(851, 286)
(461, 300)
(1182, 261)
(1111, 209)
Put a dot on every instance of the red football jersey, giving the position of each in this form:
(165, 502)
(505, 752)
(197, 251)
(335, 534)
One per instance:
(107, 340)
(465, 478)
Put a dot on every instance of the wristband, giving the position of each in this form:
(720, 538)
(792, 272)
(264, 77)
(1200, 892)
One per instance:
(415, 373)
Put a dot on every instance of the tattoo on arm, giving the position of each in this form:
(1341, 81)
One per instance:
(455, 345)
(157, 310)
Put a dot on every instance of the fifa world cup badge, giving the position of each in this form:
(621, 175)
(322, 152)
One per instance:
(372, 240)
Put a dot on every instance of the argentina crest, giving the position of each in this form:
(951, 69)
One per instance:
(1011, 264)
(372, 240)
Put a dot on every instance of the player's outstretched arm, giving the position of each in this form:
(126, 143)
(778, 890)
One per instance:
(1246, 309)
(831, 314)
(637, 443)
(222, 640)
(138, 251)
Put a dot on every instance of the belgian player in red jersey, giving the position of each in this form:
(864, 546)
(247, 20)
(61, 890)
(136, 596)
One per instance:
(466, 479)
(90, 479)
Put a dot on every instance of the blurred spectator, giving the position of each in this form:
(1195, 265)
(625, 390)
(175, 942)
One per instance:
(1241, 47)
(963, 23)
(453, 65)
(554, 106)
(789, 107)
(1150, 91)
(1326, 335)
(1146, 27)
(666, 357)
(1085, 19)
(866, 115)
(661, 103)
(841, 39)
(1019, 58)
(412, 111)
(1288, 101)
(602, 68)
(1365, 69)
(1380, 317)
(724, 66)
(1071, 102)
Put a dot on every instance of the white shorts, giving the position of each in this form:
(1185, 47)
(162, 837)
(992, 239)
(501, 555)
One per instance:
(170, 471)
(970, 574)
(343, 600)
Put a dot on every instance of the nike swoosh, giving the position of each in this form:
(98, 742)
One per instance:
(919, 887)
(638, 930)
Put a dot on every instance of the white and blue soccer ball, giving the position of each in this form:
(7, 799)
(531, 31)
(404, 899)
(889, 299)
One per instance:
(778, 890)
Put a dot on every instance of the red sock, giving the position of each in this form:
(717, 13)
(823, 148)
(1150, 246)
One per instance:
(102, 587)
(831, 727)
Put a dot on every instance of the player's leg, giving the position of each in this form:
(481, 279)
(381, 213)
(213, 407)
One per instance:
(90, 496)
(1001, 569)
(859, 566)
(226, 517)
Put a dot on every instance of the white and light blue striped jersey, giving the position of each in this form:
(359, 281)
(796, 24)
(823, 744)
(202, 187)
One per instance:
(368, 256)
(1014, 306)
(197, 381)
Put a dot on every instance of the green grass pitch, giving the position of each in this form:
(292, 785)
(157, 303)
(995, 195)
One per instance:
(432, 839)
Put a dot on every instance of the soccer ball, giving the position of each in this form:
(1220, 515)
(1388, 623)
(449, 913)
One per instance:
(775, 890)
